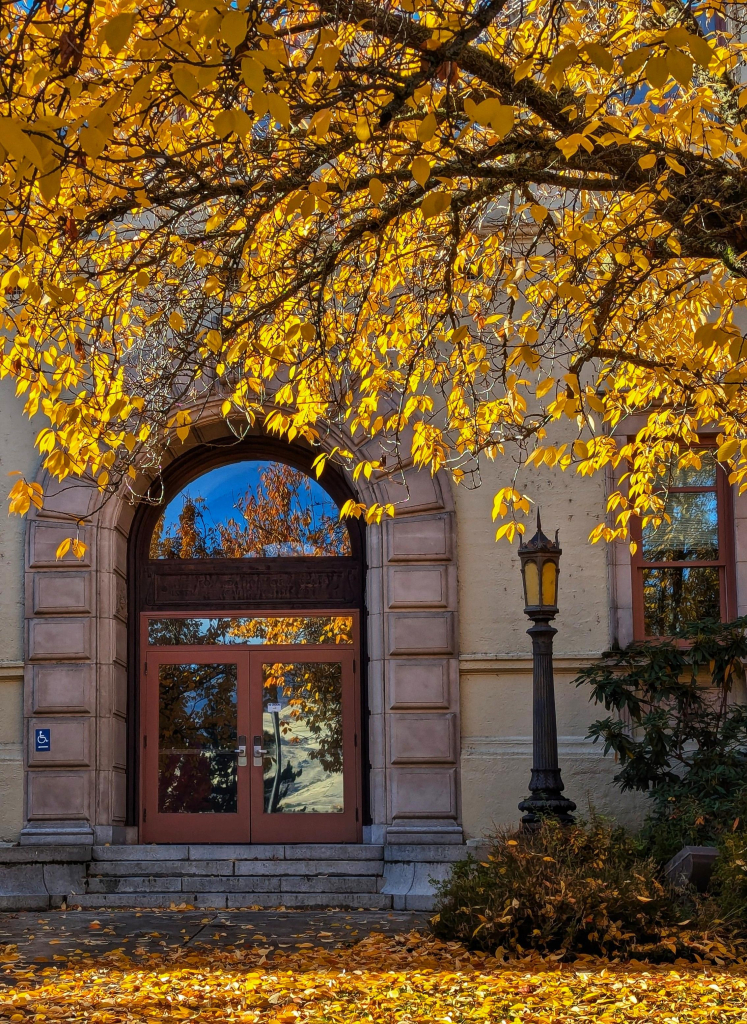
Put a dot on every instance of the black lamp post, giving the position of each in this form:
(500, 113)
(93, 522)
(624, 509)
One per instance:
(540, 558)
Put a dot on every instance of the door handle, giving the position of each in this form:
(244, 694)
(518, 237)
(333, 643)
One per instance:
(257, 752)
(241, 751)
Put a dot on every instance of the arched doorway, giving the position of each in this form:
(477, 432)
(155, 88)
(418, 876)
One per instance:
(245, 652)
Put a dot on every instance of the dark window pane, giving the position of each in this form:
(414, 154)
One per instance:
(197, 739)
(302, 734)
(250, 509)
(674, 597)
(254, 630)
(690, 536)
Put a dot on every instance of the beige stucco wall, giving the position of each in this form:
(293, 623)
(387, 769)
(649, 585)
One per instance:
(495, 652)
(16, 453)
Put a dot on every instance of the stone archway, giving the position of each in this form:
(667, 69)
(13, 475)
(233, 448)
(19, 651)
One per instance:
(77, 662)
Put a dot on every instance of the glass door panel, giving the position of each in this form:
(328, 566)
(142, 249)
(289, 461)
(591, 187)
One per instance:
(195, 724)
(304, 768)
(197, 737)
(302, 736)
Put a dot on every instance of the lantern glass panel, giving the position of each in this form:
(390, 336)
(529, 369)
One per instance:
(531, 583)
(549, 583)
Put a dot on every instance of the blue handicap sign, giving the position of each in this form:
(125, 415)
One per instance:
(42, 740)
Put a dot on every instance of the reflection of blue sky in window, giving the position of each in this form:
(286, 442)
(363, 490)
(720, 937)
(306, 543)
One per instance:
(250, 508)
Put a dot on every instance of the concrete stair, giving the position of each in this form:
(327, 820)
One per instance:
(216, 877)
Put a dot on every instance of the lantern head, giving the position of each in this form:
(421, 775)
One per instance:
(540, 559)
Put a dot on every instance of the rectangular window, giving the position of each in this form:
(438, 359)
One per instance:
(253, 630)
(683, 569)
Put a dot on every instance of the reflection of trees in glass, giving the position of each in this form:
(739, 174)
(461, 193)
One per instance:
(197, 739)
(285, 514)
(301, 629)
(674, 597)
(691, 534)
(311, 697)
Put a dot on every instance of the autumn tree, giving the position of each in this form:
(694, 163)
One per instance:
(463, 230)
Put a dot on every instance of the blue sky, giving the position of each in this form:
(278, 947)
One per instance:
(222, 487)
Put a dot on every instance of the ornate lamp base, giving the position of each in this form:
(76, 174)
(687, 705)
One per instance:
(546, 800)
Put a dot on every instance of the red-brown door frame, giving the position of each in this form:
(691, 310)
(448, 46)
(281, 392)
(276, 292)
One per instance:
(236, 828)
(189, 828)
(343, 827)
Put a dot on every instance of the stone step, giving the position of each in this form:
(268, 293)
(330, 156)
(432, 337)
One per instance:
(219, 901)
(192, 868)
(241, 851)
(246, 883)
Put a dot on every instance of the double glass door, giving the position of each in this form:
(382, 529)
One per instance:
(245, 739)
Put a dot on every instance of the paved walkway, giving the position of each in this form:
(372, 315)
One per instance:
(46, 937)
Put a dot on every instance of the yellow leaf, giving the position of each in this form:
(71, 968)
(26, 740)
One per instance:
(647, 161)
(376, 190)
(727, 449)
(185, 81)
(581, 449)
(49, 185)
(421, 170)
(92, 142)
(224, 123)
(362, 130)
(279, 109)
(701, 50)
(657, 72)
(635, 60)
(544, 386)
(538, 212)
(79, 548)
(117, 31)
(16, 142)
(427, 127)
(233, 28)
(253, 74)
(22, 496)
(330, 57)
(599, 56)
(176, 321)
(435, 203)
(675, 165)
(63, 548)
(495, 114)
(524, 69)
(680, 66)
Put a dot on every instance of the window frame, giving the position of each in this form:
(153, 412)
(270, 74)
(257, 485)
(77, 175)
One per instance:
(725, 563)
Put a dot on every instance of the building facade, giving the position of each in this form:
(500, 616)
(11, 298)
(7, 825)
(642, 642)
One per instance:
(211, 672)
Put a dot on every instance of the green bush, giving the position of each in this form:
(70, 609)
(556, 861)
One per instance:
(677, 733)
(583, 888)
(728, 886)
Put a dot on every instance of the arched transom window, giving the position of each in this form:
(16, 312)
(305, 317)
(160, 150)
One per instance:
(250, 509)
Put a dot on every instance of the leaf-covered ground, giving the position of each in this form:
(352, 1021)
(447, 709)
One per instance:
(383, 979)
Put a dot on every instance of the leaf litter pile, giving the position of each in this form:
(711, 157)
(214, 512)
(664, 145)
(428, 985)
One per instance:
(403, 979)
